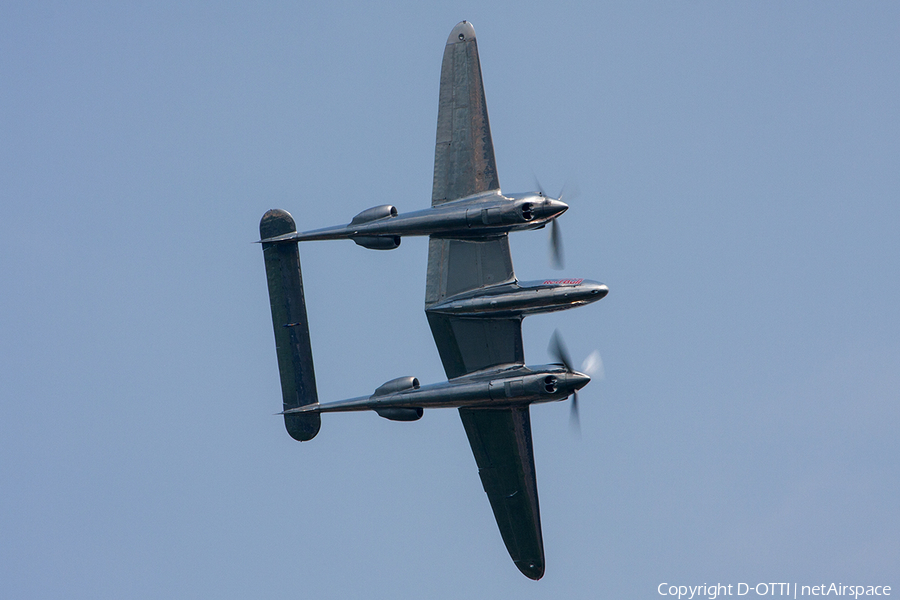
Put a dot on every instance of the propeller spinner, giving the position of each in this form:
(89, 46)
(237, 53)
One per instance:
(593, 365)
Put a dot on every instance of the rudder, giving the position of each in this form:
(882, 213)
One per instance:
(292, 343)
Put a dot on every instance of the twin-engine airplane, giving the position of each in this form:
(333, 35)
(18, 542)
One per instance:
(473, 303)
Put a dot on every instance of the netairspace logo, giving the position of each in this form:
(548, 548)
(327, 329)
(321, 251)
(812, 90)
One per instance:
(770, 589)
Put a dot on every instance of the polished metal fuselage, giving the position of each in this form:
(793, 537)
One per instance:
(481, 215)
(515, 384)
(523, 298)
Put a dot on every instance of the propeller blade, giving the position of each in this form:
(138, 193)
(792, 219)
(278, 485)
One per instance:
(572, 192)
(558, 350)
(556, 248)
(593, 365)
(574, 418)
(557, 256)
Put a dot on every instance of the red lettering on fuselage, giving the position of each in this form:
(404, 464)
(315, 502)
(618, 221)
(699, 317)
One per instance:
(563, 281)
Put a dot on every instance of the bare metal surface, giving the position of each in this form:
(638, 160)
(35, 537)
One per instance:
(473, 303)
(463, 150)
(292, 344)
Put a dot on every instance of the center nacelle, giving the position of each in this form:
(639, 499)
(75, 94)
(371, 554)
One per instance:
(526, 298)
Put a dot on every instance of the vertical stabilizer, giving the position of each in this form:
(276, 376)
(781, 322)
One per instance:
(292, 345)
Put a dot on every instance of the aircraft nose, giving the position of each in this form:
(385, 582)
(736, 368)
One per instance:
(578, 380)
(600, 290)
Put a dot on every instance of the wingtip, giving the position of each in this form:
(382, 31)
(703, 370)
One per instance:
(463, 32)
(533, 571)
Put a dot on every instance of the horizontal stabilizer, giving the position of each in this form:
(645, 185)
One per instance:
(292, 344)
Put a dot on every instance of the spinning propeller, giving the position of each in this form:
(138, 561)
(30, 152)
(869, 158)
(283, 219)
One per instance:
(592, 367)
(556, 246)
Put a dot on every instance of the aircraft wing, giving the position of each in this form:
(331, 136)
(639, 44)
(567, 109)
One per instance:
(471, 344)
(501, 441)
(500, 437)
(463, 151)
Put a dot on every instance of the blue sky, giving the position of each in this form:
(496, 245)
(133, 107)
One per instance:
(737, 174)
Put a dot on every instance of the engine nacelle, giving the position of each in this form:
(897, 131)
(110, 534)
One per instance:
(400, 414)
(373, 214)
(397, 385)
(378, 242)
